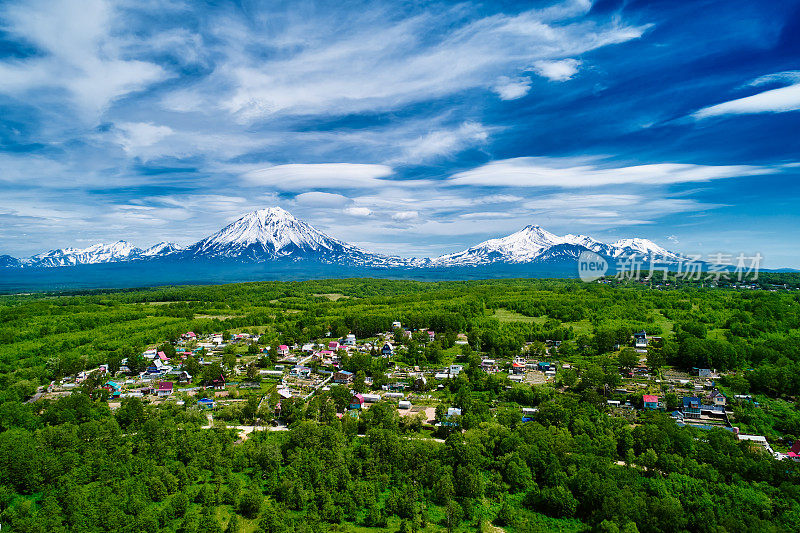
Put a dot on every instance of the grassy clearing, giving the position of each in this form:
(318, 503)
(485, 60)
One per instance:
(582, 327)
(505, 315)
(332, 296)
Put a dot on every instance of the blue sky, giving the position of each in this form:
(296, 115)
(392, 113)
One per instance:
(414, 129)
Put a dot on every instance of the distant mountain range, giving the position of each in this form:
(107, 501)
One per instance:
(274, 235)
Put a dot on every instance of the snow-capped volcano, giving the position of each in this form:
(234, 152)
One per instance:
(98, 253)
(274, 233)
(535, 244)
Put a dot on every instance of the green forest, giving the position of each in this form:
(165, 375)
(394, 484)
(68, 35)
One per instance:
(76, 464)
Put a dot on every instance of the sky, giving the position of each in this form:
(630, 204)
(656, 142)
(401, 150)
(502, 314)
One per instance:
(414, 129)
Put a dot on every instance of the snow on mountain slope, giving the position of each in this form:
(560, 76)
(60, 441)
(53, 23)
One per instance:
(520, 247)
(274, 233)
(535, 244)
(642, 247)
(98, 253)
(7, 261)
(161, 249)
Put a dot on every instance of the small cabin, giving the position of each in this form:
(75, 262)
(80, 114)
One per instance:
(357, 401)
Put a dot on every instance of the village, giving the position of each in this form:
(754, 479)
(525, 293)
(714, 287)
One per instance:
(298, 372)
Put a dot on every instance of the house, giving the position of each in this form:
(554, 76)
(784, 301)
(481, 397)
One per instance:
(189, 335)
(455, 370)
(350, 340)
(163, 356)
(387, 350)
(283, 350)
(452, 413)
(164, 389)
(308, 348)
(284, 393)
(650, 401)
(431, 335)
(371, 398)
(405, 404)
(517, 368)
(343, 376)
(794, 451)
(640, 339)
(488, 363)
(334, 345)
(543, 366)
(114, 388)
(157, 366)
(396, 325)
(420, 383)
(758, 440)
(205, 403)
(717, 398)
(691, 407)
(219, 382)
(703, 372)
(357, 401)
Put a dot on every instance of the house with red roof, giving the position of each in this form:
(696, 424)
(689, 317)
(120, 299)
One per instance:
(357, 401)
(650, 401)
(283, 350)
(794, 452)
(164, 388)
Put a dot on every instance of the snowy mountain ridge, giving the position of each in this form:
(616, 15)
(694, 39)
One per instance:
(535, 244)
(274, 234)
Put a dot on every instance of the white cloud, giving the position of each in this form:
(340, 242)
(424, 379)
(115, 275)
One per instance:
(512, 88)
(357, 211)
(79, 55)
(778, 100)
(562, 70)
(135, 135)
(486, 215)
(379, 61)
(443, 142)
(403, 216)
(571, 173)
(294, 177)
(321, 199)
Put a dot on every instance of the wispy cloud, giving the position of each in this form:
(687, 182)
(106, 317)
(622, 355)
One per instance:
(133, 136)
(574, 173)
(381, 61)
(78, 54)
(443, 143)
(779, 100)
